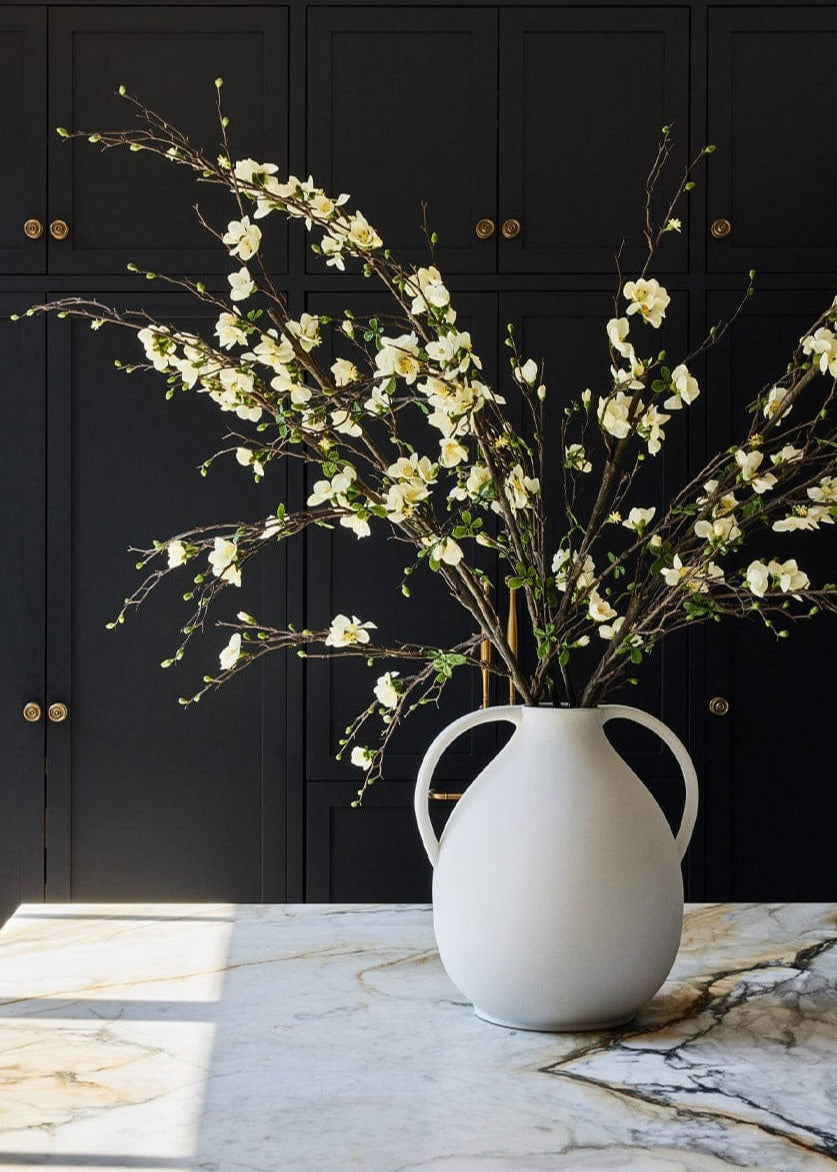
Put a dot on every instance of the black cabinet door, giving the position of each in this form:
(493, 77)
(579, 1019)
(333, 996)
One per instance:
(149, 800)
(584, 94)
(567, 331)
(122, 209)
(770, 800)
(22, 120)
(22, 605)
(772, 101)
(402, 108)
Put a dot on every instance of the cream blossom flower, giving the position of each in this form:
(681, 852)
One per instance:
(249, 171)
(686, 389)
(386, 689)
(362, 757)
(617, 332)
(229, 331)
(231, 653)
(757, 578)
(344, 372)
(822, 346)
(575, 457)
(242, 238)
(452, 452)
(273, 351)
(176, 551)
(345, 631)
(648, 298)
(650, 427)
(787, 455)
(561, 570)
(638, 519)
(398, 358)
(719, 531)
(825, 492)
(789, 575)
(803, 517)
(676, 572)
(749, 463)
(306, 331)
(608, 630)
(427, 288)
(598, 608)
(345, 423)
(362, 235)
(242, 284)
(527, 373)
(445, 549)
(413, 467)
(247, 459)
(773, 406)
(222, 559)
(520, 488)
(614, 414)
(358, 524)
(157, 343)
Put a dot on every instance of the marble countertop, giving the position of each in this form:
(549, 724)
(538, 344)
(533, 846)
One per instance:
(300, 1037)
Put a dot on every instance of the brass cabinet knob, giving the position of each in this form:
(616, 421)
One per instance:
(485, 229)
(57, 712)
(436, 795)
(32, 712)
(59, 229)
(34, 229)
(720, 228)
(511, 228)
(719, 706)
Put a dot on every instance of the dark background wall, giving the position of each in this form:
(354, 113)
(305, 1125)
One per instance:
(546, 114)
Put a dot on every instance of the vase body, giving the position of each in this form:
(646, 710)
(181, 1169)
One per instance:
(557, 891)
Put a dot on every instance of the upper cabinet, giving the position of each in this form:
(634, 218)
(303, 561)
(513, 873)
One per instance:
(94, 211)
(22, 119)
(772, 111)
(584, 94)
(538, 175)
(402, 109)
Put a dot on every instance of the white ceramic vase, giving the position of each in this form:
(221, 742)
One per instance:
(557, 892)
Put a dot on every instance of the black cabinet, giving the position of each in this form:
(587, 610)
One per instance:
(577, 135)
(22, 120)
(771, 102)
(543, 119)
(22, 604)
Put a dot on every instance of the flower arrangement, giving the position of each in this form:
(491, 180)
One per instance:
(409, 437)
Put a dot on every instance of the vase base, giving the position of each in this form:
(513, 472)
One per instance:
(562, 1028)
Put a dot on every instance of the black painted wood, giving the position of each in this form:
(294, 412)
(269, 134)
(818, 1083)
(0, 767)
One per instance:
(771, 96)
(22, 121)
(769, 786)
(22, 605)
(169, 57)
(402, 108)
(570, 171)
(156, 801)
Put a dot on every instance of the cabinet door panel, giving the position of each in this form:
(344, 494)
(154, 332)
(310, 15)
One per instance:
(121, 208)
(351, 576)
(772, 99)
(567, 331)
(22, 119)
(402, 108)
(152, 800)
(22, 607)
(770, 761)
(585, 92)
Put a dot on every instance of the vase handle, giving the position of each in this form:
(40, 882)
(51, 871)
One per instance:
(508, 712)
(681, 755)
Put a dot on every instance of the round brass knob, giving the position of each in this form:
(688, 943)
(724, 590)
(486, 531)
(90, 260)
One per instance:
(511, 228)
(32, 712)
(719, 706)
(57, 713)
(485, 229)
(720, 228)
(34, 229)
(59, 229)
